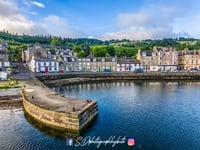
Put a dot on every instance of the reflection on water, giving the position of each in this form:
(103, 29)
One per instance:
(54, 132)
(48, 130)
(158, 115)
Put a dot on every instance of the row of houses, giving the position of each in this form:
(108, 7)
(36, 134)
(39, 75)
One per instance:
(4, 61)
(4, 57)
(110, 63)
(94, 64)
(169, 59)
(63, 59)
(189, 59)
(41, 59)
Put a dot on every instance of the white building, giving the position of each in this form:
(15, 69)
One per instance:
(96, 64)
(66, 58)
(4, 64)
(127, 64)
(41, 65)
(4, 57)
(3, 75)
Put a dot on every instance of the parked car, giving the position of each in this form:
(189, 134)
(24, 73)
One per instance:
(182, 70)
(61, 71)
(107, 70)
(164, 71)
(139, 70)
(193, 70)
(176, 70)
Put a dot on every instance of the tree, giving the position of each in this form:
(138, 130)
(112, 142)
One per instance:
(81, 54)
(76, 49)
(110, 50)
(99, 51)
(55, 41)
(87, 50)
(145, 47)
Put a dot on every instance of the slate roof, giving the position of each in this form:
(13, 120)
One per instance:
(127, 61)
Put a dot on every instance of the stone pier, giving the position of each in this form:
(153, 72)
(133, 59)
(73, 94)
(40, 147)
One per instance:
(54, 110)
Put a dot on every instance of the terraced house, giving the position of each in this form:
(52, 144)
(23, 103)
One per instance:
(96, 64)
(189, 59)
(158, 59)
(127, 64)
(167, 58)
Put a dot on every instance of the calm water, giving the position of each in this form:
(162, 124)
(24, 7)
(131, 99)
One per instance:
(157, 115)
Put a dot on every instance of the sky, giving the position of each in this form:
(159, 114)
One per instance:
(102, 19)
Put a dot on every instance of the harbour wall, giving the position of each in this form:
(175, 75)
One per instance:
(70, 121)
(71, 78)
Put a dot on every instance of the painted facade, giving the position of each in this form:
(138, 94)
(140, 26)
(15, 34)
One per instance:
(127, 64)
(42, 65)
(158, 59)
(189, 59)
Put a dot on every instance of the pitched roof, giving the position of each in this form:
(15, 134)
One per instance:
(45, 60)
(127, 61)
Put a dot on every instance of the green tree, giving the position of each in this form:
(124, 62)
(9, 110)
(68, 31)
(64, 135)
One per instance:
(55, 41)
(99, 51)
(76, 49)
(81, 54)
(87, 50)
(110, 50)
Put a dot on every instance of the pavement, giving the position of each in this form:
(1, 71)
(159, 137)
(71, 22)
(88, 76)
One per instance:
(46, 98)
(21, 72)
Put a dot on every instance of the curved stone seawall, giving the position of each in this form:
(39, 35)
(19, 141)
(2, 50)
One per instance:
(70, 115)
(70, 78)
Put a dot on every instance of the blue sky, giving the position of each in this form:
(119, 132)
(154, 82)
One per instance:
(102, 19)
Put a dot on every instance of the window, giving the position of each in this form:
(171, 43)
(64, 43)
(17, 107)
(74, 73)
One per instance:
(143, 53)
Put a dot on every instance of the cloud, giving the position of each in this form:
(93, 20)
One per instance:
(90, 37)
(38, 4)
(34, 13)
(155, 22)
(15, 21)
(58, 26)
(138, 33)
(11, 18)
(187, 25)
